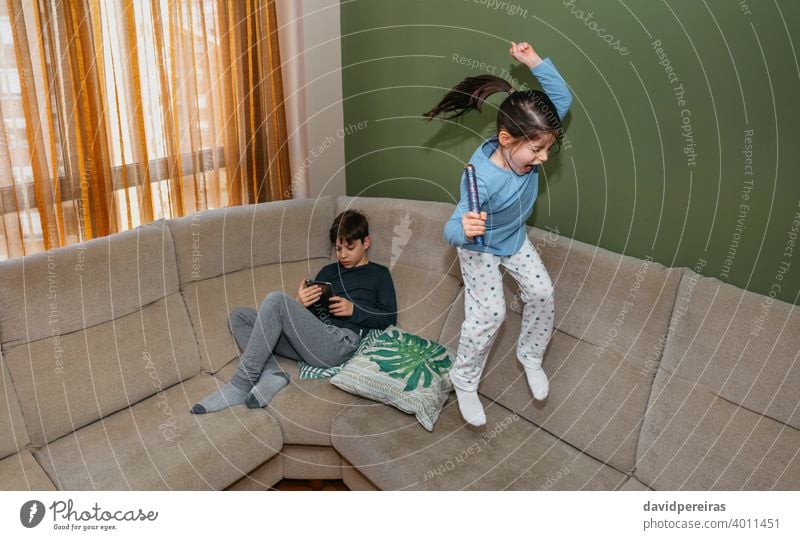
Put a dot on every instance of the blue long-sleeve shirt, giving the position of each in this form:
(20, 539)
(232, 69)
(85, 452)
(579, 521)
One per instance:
(506, 197)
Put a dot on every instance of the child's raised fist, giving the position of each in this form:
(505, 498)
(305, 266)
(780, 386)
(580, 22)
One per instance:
(524, 53)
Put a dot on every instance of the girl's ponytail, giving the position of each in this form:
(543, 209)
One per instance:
(469, 94)
(525, 114)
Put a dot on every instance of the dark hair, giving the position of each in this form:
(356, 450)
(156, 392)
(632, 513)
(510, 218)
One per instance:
(350, 225)
(525, 114)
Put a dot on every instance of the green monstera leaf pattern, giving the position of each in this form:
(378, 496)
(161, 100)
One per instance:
(401, 354)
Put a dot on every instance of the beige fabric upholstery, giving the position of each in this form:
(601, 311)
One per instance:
(18, 469)
(723, 413)
(304, 409)
(407, 232)
(150, 446)
(105, 368)
(354, 480)
(13, 433)
(599, 387)
(693, 439)
(21, 472)
(79, 286)
(211, 301)
(719, 341)
(593, 405)
(311, 462)
(632, 484)
(424, 299)
(592, 286)
(230, 239)
(262, 478)
(394, 452)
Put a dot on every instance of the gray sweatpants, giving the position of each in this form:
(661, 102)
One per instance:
(281, 325)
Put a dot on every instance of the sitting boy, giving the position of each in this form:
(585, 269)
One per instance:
(302, 328)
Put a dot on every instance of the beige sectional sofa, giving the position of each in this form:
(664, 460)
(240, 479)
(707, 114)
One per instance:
(659, 378)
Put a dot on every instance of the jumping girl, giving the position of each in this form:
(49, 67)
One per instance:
(507, 170)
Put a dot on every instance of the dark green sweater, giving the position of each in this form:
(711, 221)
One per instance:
(371, 290)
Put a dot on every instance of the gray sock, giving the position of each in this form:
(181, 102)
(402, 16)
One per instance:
(271, 381)
(227, 396)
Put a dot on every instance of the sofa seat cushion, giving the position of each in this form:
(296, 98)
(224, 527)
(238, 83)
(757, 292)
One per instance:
(596, 401)
(394, 452)
(632, 484)
(311, 462)
(694, 439)
(21, 472)
(158, 444)
(262, 478)
(354, 480)
(304, 408)
(595, 404)
(211, 301)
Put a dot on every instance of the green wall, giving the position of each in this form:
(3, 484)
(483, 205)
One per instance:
(625, 181)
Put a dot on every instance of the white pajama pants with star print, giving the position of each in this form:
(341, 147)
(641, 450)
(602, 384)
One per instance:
(485, 310)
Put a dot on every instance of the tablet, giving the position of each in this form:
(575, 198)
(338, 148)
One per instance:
(327, 289)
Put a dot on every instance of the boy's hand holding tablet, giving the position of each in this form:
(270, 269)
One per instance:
(340, 306)
(312, 291)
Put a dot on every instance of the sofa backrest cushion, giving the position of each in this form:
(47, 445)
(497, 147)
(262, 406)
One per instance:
(614, 302)
(13, 435)
(743, 346)
(226, 240)
(724, 413)
(424, 299)
(95, 327)
(78, 286)
(407, 232)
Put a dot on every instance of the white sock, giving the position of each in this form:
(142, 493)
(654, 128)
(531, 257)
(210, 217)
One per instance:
(537, 380)
(470, 406)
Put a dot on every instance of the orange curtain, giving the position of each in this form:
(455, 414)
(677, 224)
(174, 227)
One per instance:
(114, 113)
